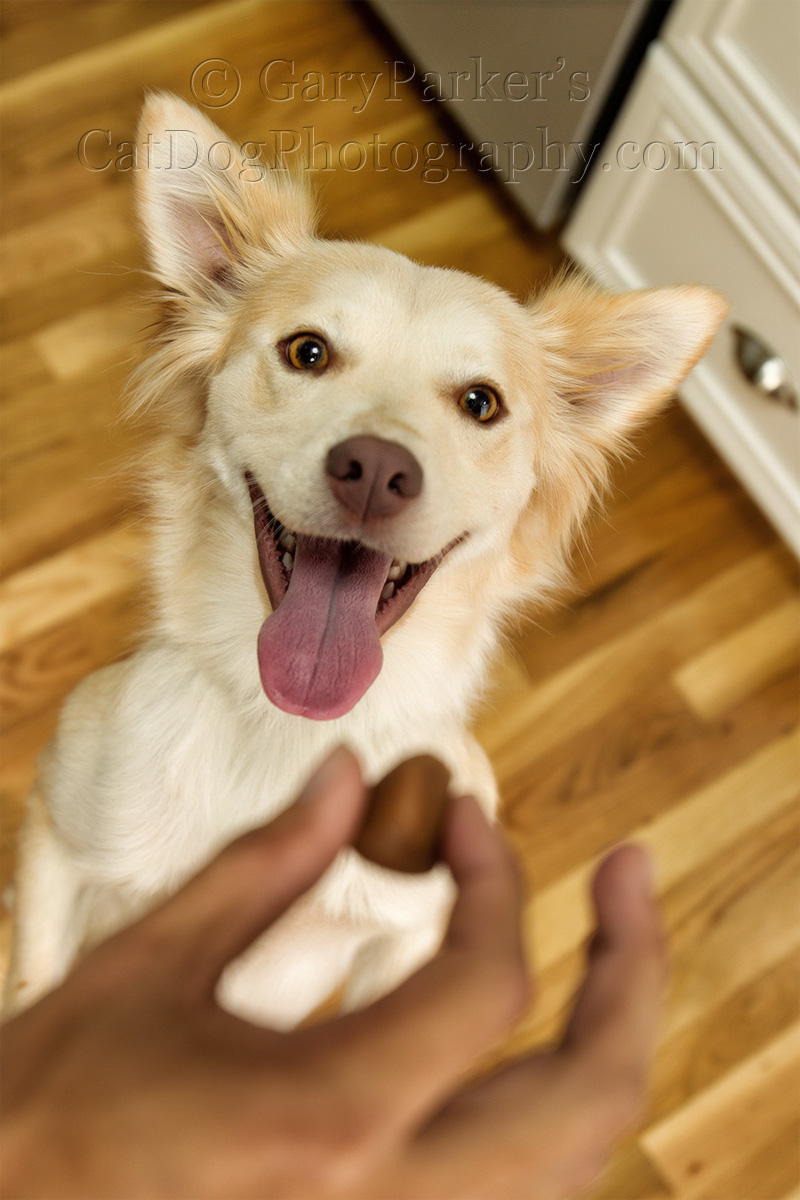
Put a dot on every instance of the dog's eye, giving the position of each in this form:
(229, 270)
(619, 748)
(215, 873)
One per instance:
(307, 352)
(480, 402)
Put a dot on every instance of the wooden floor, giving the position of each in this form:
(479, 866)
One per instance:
(661, 703)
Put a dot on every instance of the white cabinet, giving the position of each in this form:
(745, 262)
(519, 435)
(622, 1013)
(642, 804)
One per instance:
(696, 184)
(746, 55)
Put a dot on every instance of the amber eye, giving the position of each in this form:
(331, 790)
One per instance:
(307, 352)
(480, 402)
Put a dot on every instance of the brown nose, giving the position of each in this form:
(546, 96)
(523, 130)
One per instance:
(373, 477)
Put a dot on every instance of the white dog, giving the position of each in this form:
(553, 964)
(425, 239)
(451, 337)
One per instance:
(363, 466)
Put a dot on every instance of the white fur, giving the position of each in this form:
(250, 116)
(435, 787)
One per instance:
(158, 761)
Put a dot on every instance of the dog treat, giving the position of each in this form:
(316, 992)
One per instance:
(404, 818)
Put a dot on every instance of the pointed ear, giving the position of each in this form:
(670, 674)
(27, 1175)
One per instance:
(611, 362)
(616, 359)
(206, 204)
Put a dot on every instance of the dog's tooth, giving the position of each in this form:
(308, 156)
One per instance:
(388, 591)
(287, 561)
(397, 570)
(288, 540)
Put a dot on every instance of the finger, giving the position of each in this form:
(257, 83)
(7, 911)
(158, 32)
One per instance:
(257, 877)
(615, 1019)
(549, 1121)
(426, 1034)
(523, 1132)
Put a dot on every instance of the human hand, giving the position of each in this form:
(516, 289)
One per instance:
(130, 1081)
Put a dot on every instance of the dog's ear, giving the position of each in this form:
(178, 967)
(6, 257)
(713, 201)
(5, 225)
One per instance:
(207, 205)
(614, 360)
(611, 362)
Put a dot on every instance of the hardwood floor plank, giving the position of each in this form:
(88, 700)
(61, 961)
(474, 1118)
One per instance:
(72, 25)
(21, 745)
(43, 597)
(638, 561)
(738, 665)
(105, 278)
(605, 783)
(574, 698)
(724, 1125)
(764, 1175)
(90, 339)
(21, 367)
(108, 62)
(64, 412)
(681, 840)
(41, 670)
(429, 236)
(728, 922)
(58, 515)
(739, 1026)
(44, 250)
(630, 1176)
(46, 112)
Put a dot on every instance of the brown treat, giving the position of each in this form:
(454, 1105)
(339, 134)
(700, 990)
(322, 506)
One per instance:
(404, 818)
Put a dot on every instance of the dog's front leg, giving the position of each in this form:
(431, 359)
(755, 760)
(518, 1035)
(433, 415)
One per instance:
(47, 889)
(292, 968)
(385, 961)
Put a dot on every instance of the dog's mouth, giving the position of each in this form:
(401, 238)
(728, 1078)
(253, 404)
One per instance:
(319, 650)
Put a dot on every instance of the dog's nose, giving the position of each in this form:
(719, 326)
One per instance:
(372, 477)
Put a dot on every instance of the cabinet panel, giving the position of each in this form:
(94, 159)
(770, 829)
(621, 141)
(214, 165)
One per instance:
(725, 227)
(745, 54)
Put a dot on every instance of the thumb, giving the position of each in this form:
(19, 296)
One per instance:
(258, 877)
(617, 1011)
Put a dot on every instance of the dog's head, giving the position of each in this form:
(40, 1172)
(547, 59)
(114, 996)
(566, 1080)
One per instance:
(385, 422)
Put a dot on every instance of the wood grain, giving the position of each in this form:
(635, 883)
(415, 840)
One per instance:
(658, 703)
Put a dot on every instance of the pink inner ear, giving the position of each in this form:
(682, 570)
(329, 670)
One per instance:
(591, 387)
(204, 239)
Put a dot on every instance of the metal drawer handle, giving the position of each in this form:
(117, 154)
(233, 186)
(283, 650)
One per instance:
(764, 367)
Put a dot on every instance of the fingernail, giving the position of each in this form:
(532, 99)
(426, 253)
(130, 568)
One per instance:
(471, 803)
(326, 773)
(466, 808)
(642, 875)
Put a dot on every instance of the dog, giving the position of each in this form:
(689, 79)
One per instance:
(362, 467)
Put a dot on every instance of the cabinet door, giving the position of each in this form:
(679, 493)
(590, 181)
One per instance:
(745, 54)
(640, 223)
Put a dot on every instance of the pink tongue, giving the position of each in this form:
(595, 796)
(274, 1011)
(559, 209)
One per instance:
(320, 650)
